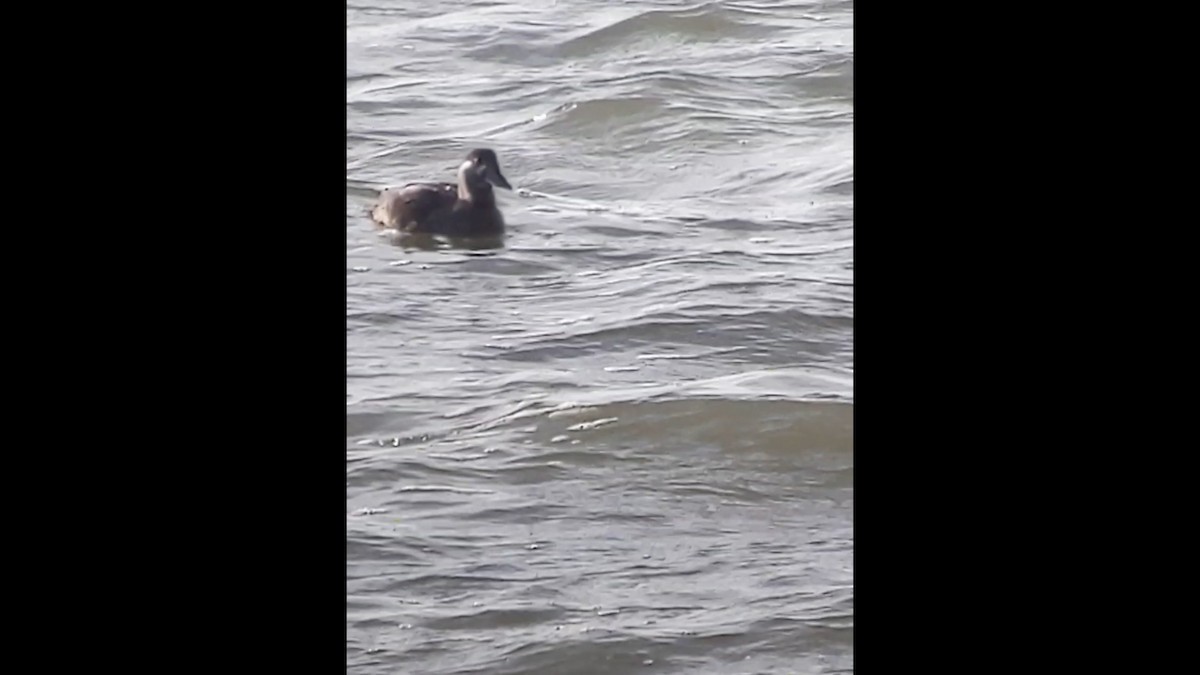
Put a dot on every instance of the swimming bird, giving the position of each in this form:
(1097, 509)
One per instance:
(464, 209)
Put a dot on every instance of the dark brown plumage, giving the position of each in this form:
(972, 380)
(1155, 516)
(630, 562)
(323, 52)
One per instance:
(466, 209)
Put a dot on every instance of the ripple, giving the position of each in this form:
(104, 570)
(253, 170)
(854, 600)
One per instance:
(620, 440)
(709, 21)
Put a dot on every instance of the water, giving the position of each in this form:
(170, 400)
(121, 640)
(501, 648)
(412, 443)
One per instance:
(623, 441)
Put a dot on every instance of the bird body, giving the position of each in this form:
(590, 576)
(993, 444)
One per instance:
(464, 209)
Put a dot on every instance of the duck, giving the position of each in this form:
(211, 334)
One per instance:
(465, 209)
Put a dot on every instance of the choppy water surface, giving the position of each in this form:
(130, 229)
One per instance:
(623, 441)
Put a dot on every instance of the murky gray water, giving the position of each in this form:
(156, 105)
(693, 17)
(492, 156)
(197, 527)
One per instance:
(623, 441)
